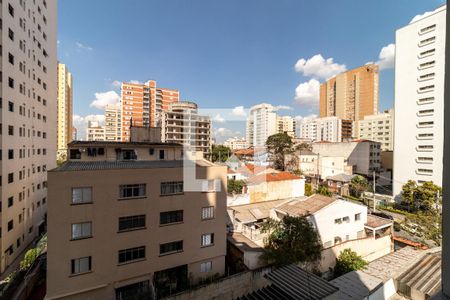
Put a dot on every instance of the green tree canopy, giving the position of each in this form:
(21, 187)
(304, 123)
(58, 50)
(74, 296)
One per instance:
(348, 261)
(279, 145)
(220, 153)
(303, 146)
(235, 186)
(422, 197)
(308, 189)
(323, 190)
(358, 185)
(291, 240)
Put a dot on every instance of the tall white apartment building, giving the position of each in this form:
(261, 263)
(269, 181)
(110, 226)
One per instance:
(419, 100)
(286, 124)
(328, 129)
(113, 123)
(28, 120)
(95, 132)
(236, 143)
(65, 110)
(182, 124)
(261, 123)
(378, 128)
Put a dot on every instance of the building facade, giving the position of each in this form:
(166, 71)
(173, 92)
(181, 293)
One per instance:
(141, 231)
(286, 124)
(236, 143)
(261, 123)
(143, 104)
(113, 127)
(182, 124)
(330, 129)
(419, 100)
(351, 95)
(362, 155)
(65, 110)
(95, 132)
(29, 121)
(378, 128)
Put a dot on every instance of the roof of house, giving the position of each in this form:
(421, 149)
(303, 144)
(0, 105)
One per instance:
(305, 207)
(360, 284)
(306, 152)
(248, 151)
(115, 165)
(247, 213)
(273, 176)
(73, 144)
(341, 177)
(243, 243)
(375, 221)
(292, 282)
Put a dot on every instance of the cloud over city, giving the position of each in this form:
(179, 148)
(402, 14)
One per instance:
(103, 99)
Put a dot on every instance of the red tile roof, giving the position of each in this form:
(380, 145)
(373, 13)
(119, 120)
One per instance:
(269, 177)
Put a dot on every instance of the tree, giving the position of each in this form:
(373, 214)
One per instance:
(235, 186)
(220, 153)
(29, 258)
(323, 190)
(308, 189)
(291, 240)
(422, 197)
(358, 185)
(279, 145)
(303, 146)
(348, 261)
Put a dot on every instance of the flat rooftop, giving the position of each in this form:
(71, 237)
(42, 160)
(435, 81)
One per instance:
(74, 144)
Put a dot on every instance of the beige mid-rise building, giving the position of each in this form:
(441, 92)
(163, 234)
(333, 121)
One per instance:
(113, 127)
(29, 121)
(95, 132)
(182, 124)
(125, 220)
(379, 128)
(286, 124)
(65, 110)
(351, 95)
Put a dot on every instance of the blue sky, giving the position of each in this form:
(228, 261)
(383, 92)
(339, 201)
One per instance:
(224, 54)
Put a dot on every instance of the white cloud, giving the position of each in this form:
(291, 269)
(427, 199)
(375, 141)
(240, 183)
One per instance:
(135, 81)
(283, 107)
(225, 132)
(308, 92)
(81, 123)
(308, 117)
(102, 99)
(239, 111)
(387, 57)
(116, 83)
(318, 67)
(83, 47)
(418, 17)
(219, 119)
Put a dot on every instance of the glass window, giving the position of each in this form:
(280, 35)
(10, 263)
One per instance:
(207, 239)
(357, 217)
(81, 230)
(207, 212)
(172, 247)
(169, 217)
(81, 265)
(171, 188)
(131, 222)
(131, 254)
(132, 190)
(206, 267)
(81, 195)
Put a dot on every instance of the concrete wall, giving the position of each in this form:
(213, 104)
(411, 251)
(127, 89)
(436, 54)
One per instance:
(273, 190)
(228, 288)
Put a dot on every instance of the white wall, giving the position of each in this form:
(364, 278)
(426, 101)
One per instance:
(407, 104)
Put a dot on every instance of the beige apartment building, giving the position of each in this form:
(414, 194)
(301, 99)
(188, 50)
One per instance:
(28, 121)
(378, 128)
(95, 132)
(143, 104)
(65, 110)
(124, 222)
(182, 124)
(351, 95)
(286, 124)
(113, 121)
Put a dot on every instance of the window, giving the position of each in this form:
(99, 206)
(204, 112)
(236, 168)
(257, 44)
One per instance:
(132, 191)
(81, 195)
(358, 217)
(10, 201)
(427, 29)
(207, 213)
(338, 221)
(346, 219)
(427, 41)
(171, 188)
(81, 230)
(11, 10)
(172, 247)
(170, 217)
(75, 154)
(428, 171)
(206, 267)
(10, 225)
(10, 130)
(10, 177)
(81, 265)
(211, 185)
(207, 239)
(10, 154)
(127, 155)
(427, 64)
(151, 151)
(131, 254)
(131, 222)
(161, 154)
(11, 34)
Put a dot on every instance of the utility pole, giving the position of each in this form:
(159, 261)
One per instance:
(373, 196)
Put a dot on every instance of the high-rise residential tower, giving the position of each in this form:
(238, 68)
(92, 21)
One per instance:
(286, 124)
(261, 123)
(419, 100)
(29, 120)
(378, 128)
(65, 111)
(113, 121)
(351, 95)
(142, 105)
